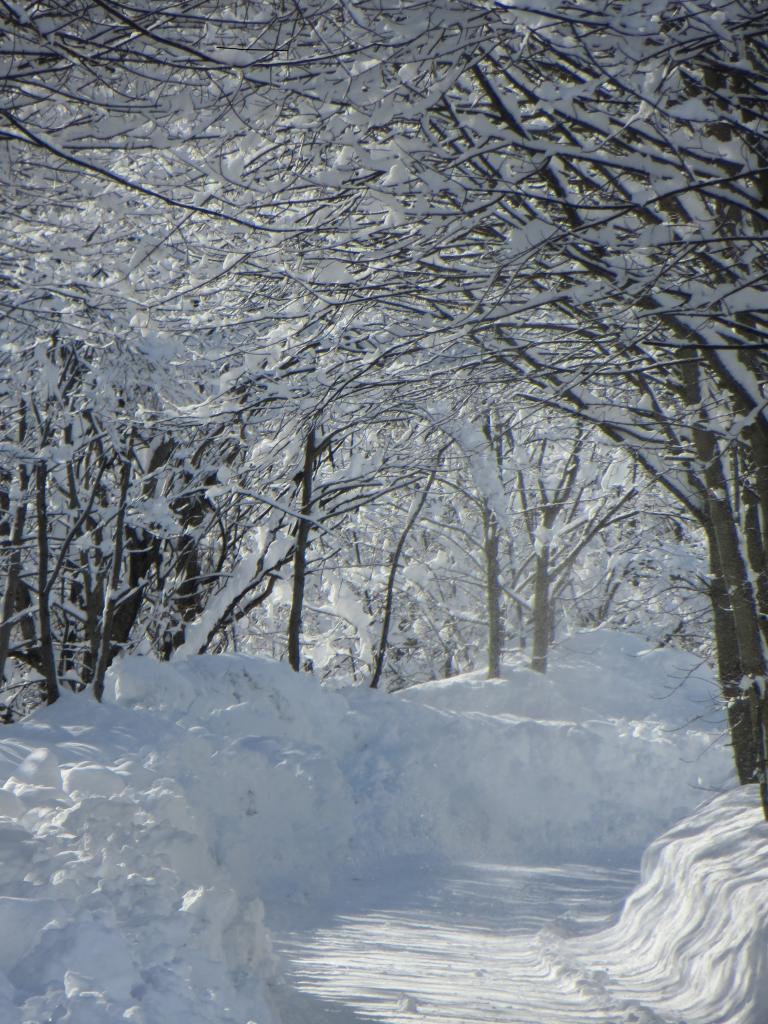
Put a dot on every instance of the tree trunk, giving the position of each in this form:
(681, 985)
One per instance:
(14, 568)
(728, 557)
(47, 655)
(493, 592)
(730, 672)
(105, 647)
(756, 520)
(381, 652)
(735, 573)
(300, 555)
(542, 618)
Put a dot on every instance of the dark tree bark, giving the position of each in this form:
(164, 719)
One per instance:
(381, 651)
(13, 576)
(105, 646)
(551, 506)
(47, 651)
(493, 592)
(542, 612)
(730, 672)
(303, 528)
(743, 696)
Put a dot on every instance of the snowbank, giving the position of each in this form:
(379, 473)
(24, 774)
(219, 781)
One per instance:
(599, 674)
(692, 941)
(112, 905)
(588, 763)
(528, 768)
(139, 838)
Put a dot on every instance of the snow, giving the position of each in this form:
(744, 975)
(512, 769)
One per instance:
(159, 848)
(704, 880)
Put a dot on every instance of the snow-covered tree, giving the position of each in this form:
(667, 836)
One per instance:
(566, 198)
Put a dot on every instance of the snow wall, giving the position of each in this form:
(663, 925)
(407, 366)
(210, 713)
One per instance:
(692, 941)
(140, 839)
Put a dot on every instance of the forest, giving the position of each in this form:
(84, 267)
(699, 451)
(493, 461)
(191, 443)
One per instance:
(384, 337)
(420, 346)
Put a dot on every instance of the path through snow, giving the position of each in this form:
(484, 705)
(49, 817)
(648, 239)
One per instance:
(139, 837)
(457, 943)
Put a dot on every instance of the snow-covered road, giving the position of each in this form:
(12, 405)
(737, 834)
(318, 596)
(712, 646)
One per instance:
(459, 943)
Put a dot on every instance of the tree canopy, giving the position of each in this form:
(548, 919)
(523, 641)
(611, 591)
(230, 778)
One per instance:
(261, 260)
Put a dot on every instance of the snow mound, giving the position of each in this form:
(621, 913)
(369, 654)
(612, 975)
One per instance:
(139, 838)
(589, 762)
(692, 942)
(112, 905)
(567, 766)
(598, 674)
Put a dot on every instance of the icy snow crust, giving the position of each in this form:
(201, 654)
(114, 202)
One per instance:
(140, 839)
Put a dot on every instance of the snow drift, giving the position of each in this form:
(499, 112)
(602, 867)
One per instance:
(142, 838)
(692, 941)
(112, 905)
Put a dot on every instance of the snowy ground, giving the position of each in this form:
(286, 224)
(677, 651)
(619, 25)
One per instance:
(225, 841)
(454, 943)
(534, 945)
